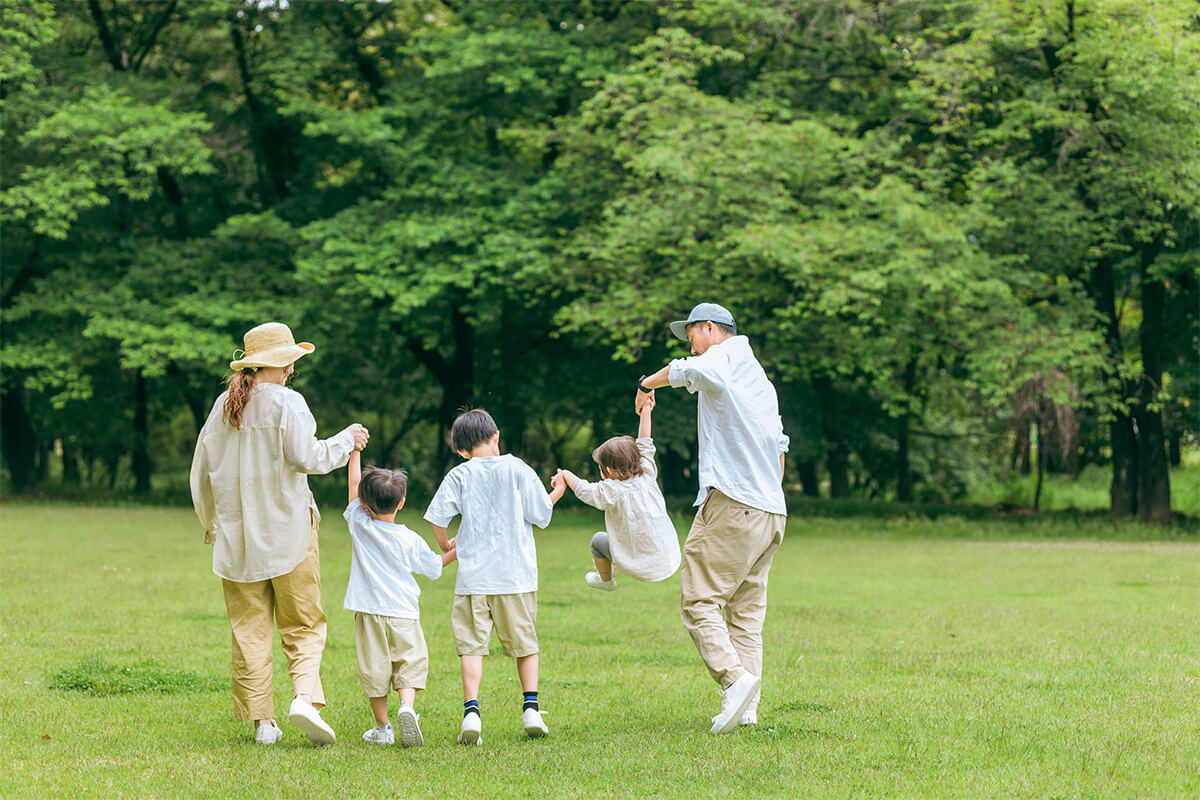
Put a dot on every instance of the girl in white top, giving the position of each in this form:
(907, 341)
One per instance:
(639, 539)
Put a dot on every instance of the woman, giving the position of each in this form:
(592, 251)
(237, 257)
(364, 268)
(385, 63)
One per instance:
(250, 489)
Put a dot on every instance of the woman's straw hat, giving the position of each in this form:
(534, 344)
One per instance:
(270, 345)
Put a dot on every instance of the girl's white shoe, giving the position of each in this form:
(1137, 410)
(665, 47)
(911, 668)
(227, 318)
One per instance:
(596, 582)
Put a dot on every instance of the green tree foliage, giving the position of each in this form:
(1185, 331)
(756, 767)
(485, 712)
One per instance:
(926, 216)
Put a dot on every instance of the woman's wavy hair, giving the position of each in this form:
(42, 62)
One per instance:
(240, 383)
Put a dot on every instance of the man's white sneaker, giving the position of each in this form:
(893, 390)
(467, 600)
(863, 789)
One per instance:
(306, 718)
(267, 734)
(734, 701)
(410, 731)
(384, 735)
(533, 723)
(596, 582)
(472, 730)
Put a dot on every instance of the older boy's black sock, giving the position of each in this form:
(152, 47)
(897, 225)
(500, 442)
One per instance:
(531, 701)
(471, 707)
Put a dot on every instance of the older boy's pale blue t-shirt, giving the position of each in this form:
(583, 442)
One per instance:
(499, 498)
(383, 558)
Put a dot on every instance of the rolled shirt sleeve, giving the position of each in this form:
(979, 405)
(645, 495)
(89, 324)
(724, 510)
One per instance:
(696, 374)
(309, 454)
(597, 494)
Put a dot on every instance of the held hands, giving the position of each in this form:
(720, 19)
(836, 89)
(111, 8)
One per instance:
(558, 487)
(361, 436)
(643, 401)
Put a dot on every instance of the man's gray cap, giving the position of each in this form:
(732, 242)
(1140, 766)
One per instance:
(705, 312)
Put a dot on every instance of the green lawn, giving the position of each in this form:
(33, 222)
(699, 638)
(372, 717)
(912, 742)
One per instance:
(942, 658)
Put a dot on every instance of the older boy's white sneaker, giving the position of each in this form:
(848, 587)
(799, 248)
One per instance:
(533, 723)
(734, 701)
(472, 730)
(306, 718)
(267, 734)
(410, 731)
(596, 582)
(377, 735)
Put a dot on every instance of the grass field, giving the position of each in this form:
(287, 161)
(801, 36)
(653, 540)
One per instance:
(946, 658)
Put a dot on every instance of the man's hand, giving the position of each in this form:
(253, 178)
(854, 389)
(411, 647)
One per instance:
(641, 400)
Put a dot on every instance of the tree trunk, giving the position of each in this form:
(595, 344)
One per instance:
(17, 438)
(141, 435)
(904, 487)
(70, 463)
(1020, 451)
(1174, 448)
(1041, 465)
(1123, 488)
(1154, 481)
(837, 454)
(807, 470)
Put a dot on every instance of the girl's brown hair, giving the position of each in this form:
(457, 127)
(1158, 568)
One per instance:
(620, 456)
(240, 383)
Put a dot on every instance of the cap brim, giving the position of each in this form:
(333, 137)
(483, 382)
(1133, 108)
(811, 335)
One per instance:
(679, 328)
(279, 357)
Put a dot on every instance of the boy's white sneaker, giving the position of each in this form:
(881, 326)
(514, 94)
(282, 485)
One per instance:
(533, 723)
(472, 730)
(384, 735)
(596, 582)
(734, 701)
(267, 734)
(308, 719)
(410, 731)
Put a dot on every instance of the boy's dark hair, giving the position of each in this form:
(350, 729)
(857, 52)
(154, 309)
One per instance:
(620, 456)
(382, 490)
(471, 429)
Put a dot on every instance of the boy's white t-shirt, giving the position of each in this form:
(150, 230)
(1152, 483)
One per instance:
(383, 558)
(499, 498)
(642, 539)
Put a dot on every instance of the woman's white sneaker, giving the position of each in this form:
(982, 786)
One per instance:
(267, 734)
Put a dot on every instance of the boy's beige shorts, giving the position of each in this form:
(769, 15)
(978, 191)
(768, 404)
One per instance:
(514, 616)
(391, 653)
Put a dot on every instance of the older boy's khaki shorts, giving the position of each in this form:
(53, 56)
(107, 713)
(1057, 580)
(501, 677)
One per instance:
(391, 654)
(513, 615)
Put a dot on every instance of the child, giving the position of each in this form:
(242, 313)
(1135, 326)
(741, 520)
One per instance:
(383, 596)
(640, 539)
(499, 497)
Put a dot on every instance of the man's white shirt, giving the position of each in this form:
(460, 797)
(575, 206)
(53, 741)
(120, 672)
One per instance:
(740, 430)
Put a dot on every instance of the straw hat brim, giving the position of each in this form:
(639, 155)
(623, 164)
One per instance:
(276, 357)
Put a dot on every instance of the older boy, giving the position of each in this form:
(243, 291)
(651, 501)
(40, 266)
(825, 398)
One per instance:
(499, 498)
(739, 525)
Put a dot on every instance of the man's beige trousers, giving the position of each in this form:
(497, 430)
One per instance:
(723, 584)
(293, 602)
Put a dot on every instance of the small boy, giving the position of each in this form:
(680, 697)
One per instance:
(383, 594)
(499, 498)
(639, 537)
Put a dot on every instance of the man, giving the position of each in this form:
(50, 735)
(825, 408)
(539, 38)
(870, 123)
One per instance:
(741, 516)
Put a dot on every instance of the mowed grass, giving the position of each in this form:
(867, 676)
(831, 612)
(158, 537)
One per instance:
(904, 659)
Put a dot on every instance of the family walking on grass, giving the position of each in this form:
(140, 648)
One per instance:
(250, 490)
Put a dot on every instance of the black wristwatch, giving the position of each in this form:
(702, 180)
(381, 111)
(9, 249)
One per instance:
(642, 386)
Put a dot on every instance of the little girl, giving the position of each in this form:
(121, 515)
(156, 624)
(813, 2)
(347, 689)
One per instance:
(640, 539)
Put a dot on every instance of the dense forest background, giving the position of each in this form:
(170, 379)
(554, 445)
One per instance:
(963, 237)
